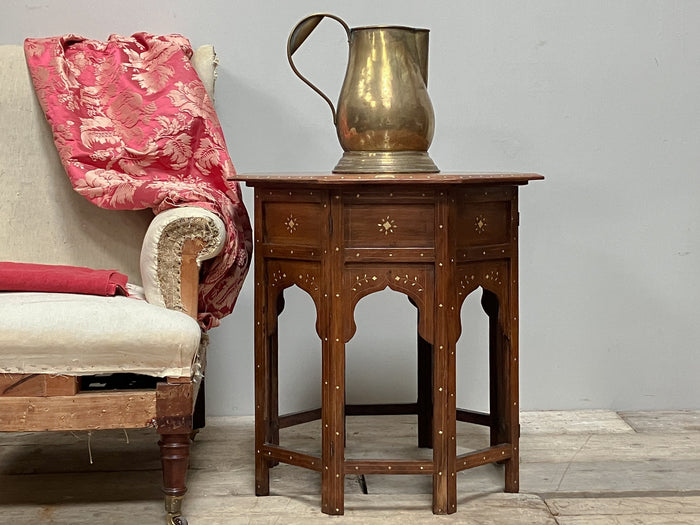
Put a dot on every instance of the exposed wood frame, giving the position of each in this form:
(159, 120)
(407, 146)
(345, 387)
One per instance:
(83, 411)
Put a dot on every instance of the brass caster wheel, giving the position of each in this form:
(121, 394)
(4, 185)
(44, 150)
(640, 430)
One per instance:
(176, 520)
(173, 504)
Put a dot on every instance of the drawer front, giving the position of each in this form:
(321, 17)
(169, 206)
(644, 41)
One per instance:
(483, 223)
(300, 223)
(409, 225)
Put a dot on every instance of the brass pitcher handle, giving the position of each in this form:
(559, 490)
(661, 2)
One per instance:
(297, 37)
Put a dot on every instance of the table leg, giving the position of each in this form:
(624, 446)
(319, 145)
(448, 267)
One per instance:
(425, 393)
(266, 388)
(424, 402)
(444, 432)
(273, 427)
(262, 390)
(497, 387)
(503, 372)
(445, 322)
(511, 365)
(332, 421)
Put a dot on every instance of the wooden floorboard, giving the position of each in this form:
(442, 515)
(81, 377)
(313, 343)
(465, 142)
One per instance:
(663, 420)
(577, 468)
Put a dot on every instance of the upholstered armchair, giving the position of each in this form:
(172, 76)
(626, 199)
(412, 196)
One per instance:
(55, 347)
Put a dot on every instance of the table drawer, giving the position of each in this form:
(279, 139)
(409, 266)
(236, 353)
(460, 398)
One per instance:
(299, 223)
(389, 225)
(483, 223)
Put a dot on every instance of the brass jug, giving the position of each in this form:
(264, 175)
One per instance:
(385, 121)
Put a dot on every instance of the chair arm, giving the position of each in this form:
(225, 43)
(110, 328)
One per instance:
(205, 61)
(176, 243)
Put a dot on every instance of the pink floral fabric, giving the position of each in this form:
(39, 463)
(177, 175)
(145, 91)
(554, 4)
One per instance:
(135, 128)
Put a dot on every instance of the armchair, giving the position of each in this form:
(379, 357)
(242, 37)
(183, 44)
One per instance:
(52, 344)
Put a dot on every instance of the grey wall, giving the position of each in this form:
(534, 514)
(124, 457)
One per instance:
(601, 97)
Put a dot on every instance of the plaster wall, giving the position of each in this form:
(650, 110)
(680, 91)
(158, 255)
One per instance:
(603, 98)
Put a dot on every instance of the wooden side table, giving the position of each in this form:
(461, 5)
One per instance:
(435, 238)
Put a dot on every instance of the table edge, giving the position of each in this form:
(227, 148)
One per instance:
(338, 179)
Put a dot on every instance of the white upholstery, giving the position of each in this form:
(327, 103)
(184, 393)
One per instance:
(204, 61)
(90, 334)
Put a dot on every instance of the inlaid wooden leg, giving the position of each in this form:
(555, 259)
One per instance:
(274, 426)
(511, 382)
(175, 457)
(333, 423)
(262, 384)
(333, 311)
(425, 393)
(497, 375)
(444, 433)
(424, 402)
(444, 371)
(272, 431)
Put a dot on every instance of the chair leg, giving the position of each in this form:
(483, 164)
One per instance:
(175, 457)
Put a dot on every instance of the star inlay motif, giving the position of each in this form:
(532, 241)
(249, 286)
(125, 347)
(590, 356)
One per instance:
(291, 223)
(387, 225)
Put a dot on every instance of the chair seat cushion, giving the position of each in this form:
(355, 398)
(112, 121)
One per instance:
(57, 333)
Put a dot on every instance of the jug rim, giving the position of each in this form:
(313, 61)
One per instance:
(390, 26)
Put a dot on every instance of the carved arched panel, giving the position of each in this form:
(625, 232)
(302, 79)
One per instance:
(492, 276)
(283, 274)
(414, 280)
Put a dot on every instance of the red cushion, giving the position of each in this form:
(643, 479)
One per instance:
(27, 277)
